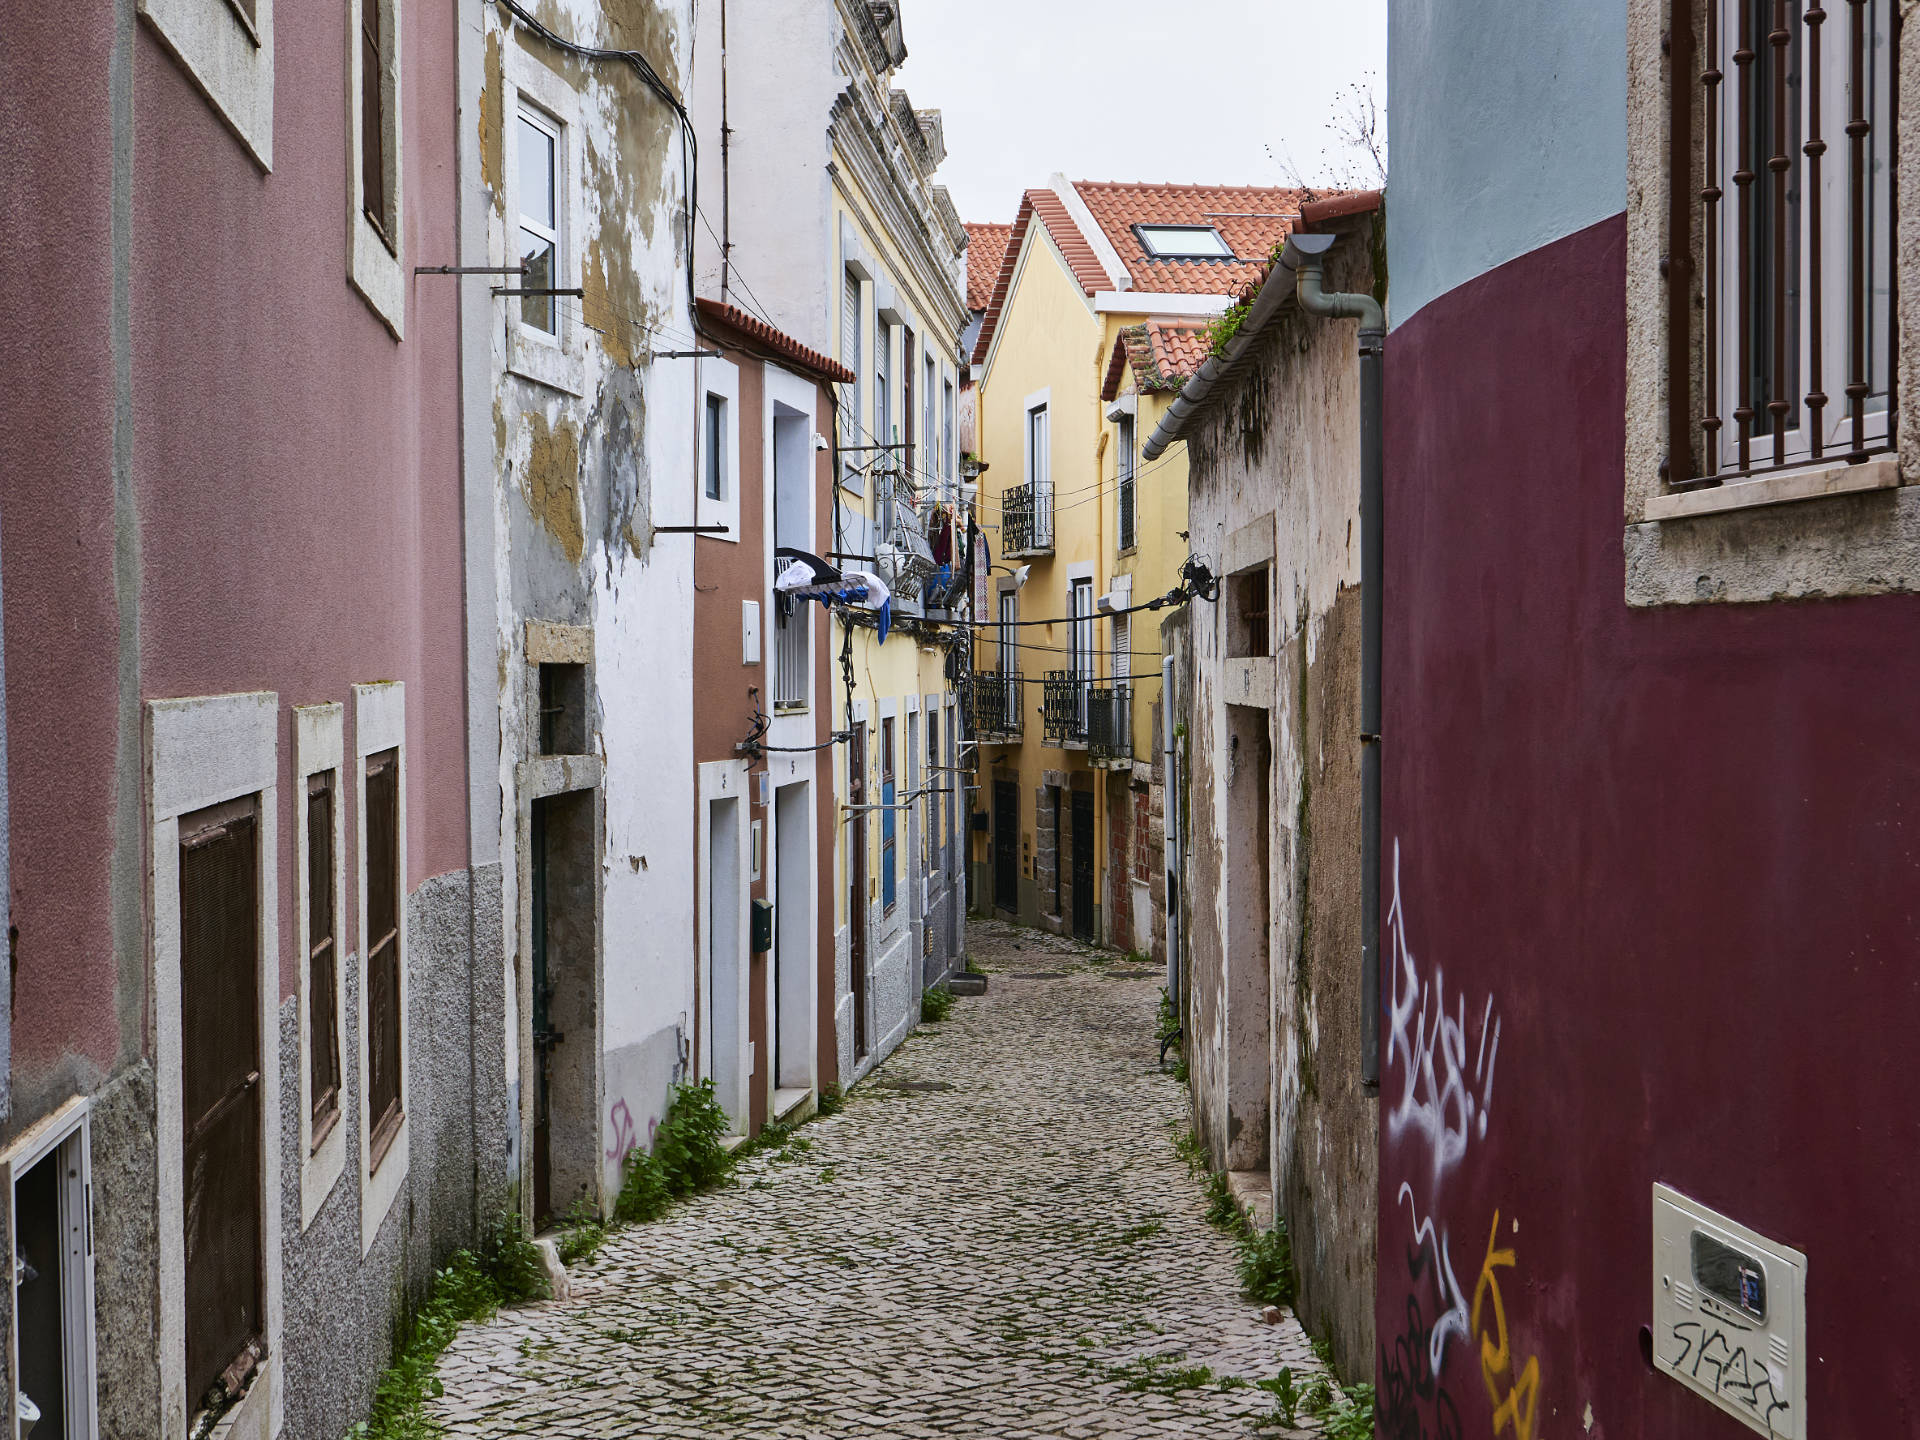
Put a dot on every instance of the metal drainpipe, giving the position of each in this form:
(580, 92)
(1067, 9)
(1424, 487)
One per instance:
(1304, 256)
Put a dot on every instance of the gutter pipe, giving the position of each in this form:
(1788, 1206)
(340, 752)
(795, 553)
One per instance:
(1304, 256)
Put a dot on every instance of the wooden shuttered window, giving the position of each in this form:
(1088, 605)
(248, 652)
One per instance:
(220, 1048)
(384, 1018)
(323, 1018)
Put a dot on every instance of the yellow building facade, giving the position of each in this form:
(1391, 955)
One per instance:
(1098, 316)
(899, 310)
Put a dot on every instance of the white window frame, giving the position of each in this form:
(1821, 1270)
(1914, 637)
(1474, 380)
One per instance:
(201, 752)
(1835, 184)
(376, 264)
(557, 361)
(1126, 472)
(1038, 470)
(719, 378)
(319, 746)
(67, 1128)
(882, 461)
(946, 428)
(1144, 234)
(229, 59)
(555, 233)
(927, 462)
(800, 396)
(854, 427)
(380, 723)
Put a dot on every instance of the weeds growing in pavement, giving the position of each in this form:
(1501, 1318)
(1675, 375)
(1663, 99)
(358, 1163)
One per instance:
(1286, 1396)
(1161, 1375)
(1265, 1259)
(584, 1233)
(687, 1145)
(1167, 1030)
(1345, 1412)
(832, 1099)
(936, 1002)
(1266, 1265)
(502, 1269)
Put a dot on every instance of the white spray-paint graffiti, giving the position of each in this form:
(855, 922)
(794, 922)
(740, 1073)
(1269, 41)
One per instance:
(1454, 1319)
(1438, 1099)
(1446, 1067)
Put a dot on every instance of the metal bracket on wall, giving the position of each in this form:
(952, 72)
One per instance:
(470, 270)
(576, 292)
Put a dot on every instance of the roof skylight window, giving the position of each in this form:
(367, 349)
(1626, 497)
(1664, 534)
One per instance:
(1183, 242)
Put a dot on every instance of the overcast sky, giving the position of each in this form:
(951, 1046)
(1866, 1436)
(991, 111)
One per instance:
(1133, 89)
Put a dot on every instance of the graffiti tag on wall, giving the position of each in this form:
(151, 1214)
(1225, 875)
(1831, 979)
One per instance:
(1445, 1064)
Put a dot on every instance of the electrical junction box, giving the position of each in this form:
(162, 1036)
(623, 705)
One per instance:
(1730, 1315)
(762, 926)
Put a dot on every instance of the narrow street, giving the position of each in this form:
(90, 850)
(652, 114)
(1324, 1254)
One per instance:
(993, 1239)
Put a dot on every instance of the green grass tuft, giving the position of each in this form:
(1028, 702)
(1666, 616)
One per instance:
(936, 1003)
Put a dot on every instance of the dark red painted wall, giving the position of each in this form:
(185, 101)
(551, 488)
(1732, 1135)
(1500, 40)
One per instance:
(57, 531)
(1672, 854)
(298, 469)
(295, 470)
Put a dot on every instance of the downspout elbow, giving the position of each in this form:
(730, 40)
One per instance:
(1304, 256)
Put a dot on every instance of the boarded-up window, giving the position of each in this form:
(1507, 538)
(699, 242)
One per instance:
(323, 1020)
(220, 1088)
(383, 951)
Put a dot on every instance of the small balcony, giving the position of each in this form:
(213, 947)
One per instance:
(791, 654)
(1063, 707)
(1081, 712)
(996, 702)
(1110, 724)
(1026, 520)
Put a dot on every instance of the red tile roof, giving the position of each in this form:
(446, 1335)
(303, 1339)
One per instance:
(785, 348)
(1251, 219)
(1165, 354)
(986, 247)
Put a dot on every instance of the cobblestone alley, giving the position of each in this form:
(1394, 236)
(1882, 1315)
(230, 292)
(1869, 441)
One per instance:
(993, 1239)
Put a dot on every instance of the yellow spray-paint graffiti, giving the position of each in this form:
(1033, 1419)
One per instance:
(1514, 1399)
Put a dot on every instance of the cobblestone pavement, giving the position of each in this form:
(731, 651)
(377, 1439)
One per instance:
(993, 1239)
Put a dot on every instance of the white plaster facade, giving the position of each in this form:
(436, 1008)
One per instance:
(580, 447)
(827, 174)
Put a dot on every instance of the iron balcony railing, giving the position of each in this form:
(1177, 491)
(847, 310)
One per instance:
(791, 653)
(1026, 520)
(996, 702)
(1080, 710)
(1110, 722)
(1063, 707)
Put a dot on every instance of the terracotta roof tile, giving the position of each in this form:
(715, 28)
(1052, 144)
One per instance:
(1164, 354)
(1251, 220)
(1074, 248)
(986, 247)
(783, 345)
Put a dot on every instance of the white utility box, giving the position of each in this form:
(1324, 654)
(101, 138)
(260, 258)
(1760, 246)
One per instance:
(1730, 1315)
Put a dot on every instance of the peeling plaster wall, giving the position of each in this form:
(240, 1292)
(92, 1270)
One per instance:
(1278, 455)
(592, 448)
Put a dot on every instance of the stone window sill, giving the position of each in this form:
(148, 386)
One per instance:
(1814, 533)
(1882, 472)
